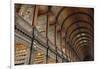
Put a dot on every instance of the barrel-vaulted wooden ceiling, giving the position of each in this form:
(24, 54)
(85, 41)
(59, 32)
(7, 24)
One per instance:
(75, 25)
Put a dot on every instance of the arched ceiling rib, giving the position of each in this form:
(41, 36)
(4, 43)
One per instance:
(81, 37)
